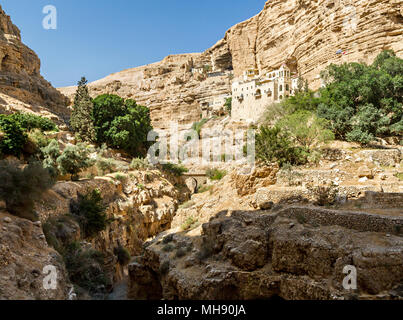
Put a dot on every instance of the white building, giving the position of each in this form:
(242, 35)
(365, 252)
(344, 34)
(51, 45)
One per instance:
(252, 93)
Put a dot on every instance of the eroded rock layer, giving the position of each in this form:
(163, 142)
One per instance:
(22, 88)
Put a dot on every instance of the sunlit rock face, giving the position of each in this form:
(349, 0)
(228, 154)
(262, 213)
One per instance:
(22, 88)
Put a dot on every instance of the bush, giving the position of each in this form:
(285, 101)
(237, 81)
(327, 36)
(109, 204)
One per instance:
(38, 138)
(74, 159)
(189, 223)
(197, 126)
(30, 121)
(86, 268)
(90, 213)
(50, 153)
(104, 165)
(122, 124)
(123, 255)
(174, 169)
(363, 102)
(139, 164)
(228, 105)
(20, 187)
(216, 174)
(272, 145)
(306, 129)
(12, 136)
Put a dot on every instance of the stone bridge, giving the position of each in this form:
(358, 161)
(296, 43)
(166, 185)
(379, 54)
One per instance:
(195, 179)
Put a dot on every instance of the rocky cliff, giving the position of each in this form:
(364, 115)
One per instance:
(305, 34)
(22, 88)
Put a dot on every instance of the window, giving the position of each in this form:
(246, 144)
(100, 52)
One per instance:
(287, 87)
(281, 97)
(281, 87)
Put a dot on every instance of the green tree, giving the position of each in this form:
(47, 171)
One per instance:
(74, 159)
(12, 136)
(50, 153)
(306, 129)
(274, 145)
(122, 124)
(363, 102)
(90, 213)
(81, 117)
(228, 105)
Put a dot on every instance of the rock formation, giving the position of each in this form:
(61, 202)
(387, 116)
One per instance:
(305, 34)
(22, 88)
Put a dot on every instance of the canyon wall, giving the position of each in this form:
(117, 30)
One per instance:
(22, 88)
(305, 34)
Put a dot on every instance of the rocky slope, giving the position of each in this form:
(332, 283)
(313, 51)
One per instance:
(306, 34)
(22, 88)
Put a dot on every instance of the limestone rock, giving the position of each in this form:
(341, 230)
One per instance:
(22, 88)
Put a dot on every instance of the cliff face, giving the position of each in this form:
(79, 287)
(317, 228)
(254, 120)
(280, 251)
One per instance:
(305, 34)
(21, 85)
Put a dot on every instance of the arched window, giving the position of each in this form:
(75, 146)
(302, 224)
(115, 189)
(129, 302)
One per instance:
(281, 87)
(287, 87)
(281, 97)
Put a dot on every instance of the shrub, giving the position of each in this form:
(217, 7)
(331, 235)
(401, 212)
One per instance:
(181, 252)
(363, 102)
(272, 145)
(306, 129)
(139, 164)
(104, 165)
(174, 169)
(189, 223)
(86, 268)
(90, 213)
(197, 126)
(168, 248)
(20, 187)
(202, 189)
(228, 105)
(74, 159)
(12, 136)
(216, 174)
(123, 255)
(169, 238)
(38, 138)
(30, 121)
(50, 153)
(122, 124)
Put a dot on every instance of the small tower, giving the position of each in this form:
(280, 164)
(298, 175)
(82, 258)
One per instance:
(284, 82)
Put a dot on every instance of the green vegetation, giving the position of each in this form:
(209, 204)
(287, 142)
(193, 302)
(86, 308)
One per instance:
(363, 102)
(216, 174)
(399, 175)
(86, 268)
(228, 105)
(204, 188)
(274, 145)
(20, 186)
(81, 117)
(74, 159)
(12, 136)
(123, 255)
(139, 164)
(121, 124)
(197, 126)
(90, 213)
(14, 130)
(189, 223)
(174, 169)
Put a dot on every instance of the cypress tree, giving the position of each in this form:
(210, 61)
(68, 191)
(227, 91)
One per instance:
(81, 120)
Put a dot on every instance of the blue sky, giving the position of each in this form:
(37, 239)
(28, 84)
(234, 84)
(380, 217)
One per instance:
(95, 38)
